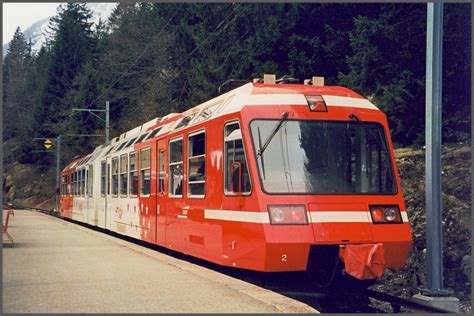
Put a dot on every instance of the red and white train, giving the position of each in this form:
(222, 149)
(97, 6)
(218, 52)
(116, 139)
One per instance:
(268, 177)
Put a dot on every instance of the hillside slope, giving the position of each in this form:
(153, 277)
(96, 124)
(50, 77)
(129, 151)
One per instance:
(456, 199)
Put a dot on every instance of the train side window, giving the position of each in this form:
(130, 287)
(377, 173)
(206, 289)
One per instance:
(161, 175)
(72, 184)
(115, 172)
(83, 183)
(87, 182)
(68, 184)
(197, 164)
(79, 183)
(145, 171)
(108, 179)
(176, 168)
(123, 175)
(62, 192)
(90, 179)
(102, 178)
(133, 174)
(234, 152)
(76, 187)
(62, 185)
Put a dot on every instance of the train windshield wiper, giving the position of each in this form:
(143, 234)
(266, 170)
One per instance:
(284, 117)
(369, 132)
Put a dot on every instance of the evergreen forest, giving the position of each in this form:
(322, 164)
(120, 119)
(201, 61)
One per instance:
(150, 59)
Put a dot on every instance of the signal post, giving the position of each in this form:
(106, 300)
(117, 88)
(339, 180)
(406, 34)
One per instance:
(49, 143)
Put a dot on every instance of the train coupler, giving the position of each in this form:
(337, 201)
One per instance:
(363, 262)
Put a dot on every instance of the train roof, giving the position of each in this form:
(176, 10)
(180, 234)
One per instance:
(252, 93)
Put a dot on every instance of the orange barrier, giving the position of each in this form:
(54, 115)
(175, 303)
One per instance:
(5, 228)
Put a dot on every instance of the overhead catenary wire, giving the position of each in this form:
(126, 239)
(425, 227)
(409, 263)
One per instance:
(147, 47)
(215, 31)
(219, 28)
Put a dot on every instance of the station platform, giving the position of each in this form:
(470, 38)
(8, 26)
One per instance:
(57, 266)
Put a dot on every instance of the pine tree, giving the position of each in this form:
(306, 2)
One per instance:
(387, 64)
(17, 64)
(70, 44)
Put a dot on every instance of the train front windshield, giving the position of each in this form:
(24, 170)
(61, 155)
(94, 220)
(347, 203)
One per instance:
(322, 157)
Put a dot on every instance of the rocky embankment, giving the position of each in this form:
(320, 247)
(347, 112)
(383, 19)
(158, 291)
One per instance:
(456, 199)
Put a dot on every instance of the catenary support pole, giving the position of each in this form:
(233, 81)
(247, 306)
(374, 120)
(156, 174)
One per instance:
(434, 294)
(434, 233)
(58, 170)
(107, 122)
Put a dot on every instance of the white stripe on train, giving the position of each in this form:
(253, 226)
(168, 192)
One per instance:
(314, 217)
(241, 100)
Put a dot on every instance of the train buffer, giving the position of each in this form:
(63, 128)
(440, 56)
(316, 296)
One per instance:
(7, 238)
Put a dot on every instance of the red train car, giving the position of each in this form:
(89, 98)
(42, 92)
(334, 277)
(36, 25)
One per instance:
(266, 177)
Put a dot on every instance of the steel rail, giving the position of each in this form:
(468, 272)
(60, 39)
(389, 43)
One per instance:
(398, 301)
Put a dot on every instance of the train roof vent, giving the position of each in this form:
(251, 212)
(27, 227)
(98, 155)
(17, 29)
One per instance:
(315, 81)
(269, 78)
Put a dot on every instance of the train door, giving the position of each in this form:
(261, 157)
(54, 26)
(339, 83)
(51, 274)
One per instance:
(160, 192)
(91, 194)
(102, 196)
(176, 208)
(146, 200)
(108, 196)
(86, 193)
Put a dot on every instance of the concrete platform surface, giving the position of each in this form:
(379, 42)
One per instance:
(61, 267)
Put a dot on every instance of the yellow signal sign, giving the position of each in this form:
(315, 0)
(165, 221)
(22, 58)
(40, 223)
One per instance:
(48, 143)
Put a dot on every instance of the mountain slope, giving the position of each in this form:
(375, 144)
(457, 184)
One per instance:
(37, 31)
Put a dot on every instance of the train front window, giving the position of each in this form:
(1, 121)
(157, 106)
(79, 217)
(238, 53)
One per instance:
(234, 152)
(323, 157)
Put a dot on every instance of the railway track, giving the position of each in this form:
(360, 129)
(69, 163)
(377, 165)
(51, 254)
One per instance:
(398, 302)
(338, 304)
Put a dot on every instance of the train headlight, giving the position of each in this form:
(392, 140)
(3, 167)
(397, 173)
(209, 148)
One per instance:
(382, 214)
(278, 215)
(316, 103)
(287, 214)
(390, 214)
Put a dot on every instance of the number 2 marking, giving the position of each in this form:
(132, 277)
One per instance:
(284, 258)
